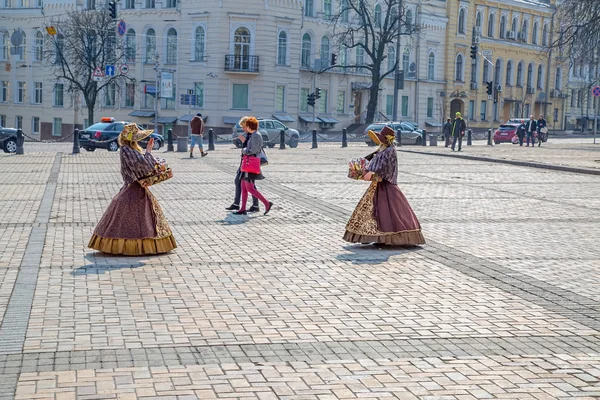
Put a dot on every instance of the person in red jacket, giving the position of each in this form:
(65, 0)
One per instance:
(197, 124)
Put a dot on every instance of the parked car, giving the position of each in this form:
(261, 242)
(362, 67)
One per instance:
(409, 134)
(8, 139)
(270, 129)
(505, 133)
(104, 135)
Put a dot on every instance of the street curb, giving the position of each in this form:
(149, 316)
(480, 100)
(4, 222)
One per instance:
(529, 164)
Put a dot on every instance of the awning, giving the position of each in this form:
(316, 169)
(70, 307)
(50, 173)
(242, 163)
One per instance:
(509, 100)
(139, 113)
(308, 120)
(164, 120)
(361, 85)
(284, 117)
(434, 124)
(329, 120)
(186, 118)
(231, 120)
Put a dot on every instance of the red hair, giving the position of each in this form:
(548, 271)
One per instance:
(252, 123)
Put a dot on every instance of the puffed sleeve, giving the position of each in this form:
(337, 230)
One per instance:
(138, 165)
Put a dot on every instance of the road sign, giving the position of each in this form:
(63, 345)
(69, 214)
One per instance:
(109, 70)
(51, 30)
(486, 53)
(98, 73)
(16, 38)
(124, 69)
(97, 78)
(121, 28)
(596, 91)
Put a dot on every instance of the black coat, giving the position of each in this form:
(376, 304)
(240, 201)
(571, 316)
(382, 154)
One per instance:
(530, 126)
(459, 127)
(541, 123)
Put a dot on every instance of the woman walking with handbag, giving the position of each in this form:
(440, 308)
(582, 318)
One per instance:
(251, 167)
(238, 176)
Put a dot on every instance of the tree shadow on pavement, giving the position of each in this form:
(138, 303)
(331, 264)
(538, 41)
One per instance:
(100, 263)
(373, 254)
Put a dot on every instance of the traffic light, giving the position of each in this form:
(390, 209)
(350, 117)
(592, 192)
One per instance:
(311, 100)
(317, 93)
(490, 88)
(112, 9)
(333, 59)
(474, 52)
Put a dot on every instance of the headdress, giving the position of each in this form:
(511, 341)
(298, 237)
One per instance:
(386, 136)
(132, 133)
(374, 137)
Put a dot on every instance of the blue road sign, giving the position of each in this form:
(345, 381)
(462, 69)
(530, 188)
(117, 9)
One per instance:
(121, 28)
(596, 91)
(110, 70)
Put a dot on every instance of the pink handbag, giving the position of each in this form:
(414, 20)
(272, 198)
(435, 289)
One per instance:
(251, 164)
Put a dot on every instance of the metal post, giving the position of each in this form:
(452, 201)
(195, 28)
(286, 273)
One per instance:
(314, 139)
(424, 140)
(170, 140)
(20, 141)
(211, 139)
(344, 137)
(76, 141)
(399, 138)
(469, 137)
(596, 118)
(397, 72)
(489, 138)
(282, 140)
(156, 97)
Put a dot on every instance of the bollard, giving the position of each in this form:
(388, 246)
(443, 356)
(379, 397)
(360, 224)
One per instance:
(469, 137)
(424, 139)
(489, 137)
(314, 139)
(399, 138)
(344, 137)
(170, 140)
(76, 141)
(20, 141)
(282, 140)
(211, 139)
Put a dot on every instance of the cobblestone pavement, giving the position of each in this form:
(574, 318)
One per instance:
(501, 303)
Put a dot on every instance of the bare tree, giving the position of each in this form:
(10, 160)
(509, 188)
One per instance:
(577, 27)
(372, 28)
(85, 40)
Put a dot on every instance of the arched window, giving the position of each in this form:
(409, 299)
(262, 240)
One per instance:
(462, 16)
(171, 46)
(503, 27)
(520, 74)
(199, 43)
(378, 15)
(150, 45)
(130, 46)
(486, 72)
(391, 57)
(282, 48)
(525, 31)
(530, 76)
(558, 79)
(405, 60)
(38, 51)
(5, 45)
(241, 48)
(534, 38)
(23, 47)
(345, 10)
(509, 73)
(343, 55)
(306, 49)
(431, 67)
(513, 27)
(409, 20)
(459, 67)
(545, 35)
(540, 74)
(498, 72)
(479, 20)
(491, 25)
(325, 48)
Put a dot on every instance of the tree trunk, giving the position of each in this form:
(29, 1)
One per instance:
(373, 100)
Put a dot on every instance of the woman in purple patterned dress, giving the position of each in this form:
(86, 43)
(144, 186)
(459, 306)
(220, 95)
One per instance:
(134, 223)
(383, 215)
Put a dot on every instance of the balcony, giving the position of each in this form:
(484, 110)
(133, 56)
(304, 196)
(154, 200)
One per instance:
(243, 64)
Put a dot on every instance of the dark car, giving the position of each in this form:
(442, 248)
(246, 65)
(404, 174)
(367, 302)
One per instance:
(410, 133)
(8, 139)
(104, 135)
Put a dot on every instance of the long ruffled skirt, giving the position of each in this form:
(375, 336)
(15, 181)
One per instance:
(384, 216)
(133, 225)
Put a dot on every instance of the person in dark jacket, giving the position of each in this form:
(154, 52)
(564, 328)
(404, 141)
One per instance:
(541, 129)
(530, 129)
(447, 131)
(521, 132)
(197, 125)
(458, 131)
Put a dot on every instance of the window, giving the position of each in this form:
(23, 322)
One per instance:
(389, 104)
(534, 38)
(391, 58)
(325, 48)
(486, 72)
(345, 10)
(405, 60)
(282, 48)
(545, 35)
(306, 49)
(498, 72)
(2, 120)
(168, 103)
(5, 45)
(540, 74)
(558, 79)
(408, 20)
(520, 74)
(323, 102)
(572, 97)
(58, 95)
(343, 56)
(309, 8)
(23, 47)
(199, 92)
(110, 95)
(431, 67)
(171, 46)
(35, 125)
(57, 127)
(491, 25)
(130, 4)
(18, 122)
(130, 46)
(377, 16)
(129, 95)
(38, 50)
(199, 43)
(5, 92)
(327, 9)
(513, 27)
(483, 110)
(280, 98)
(471, 115)
(303, 99)
(360, 56)
(459, 67)
(525, 31)
(430, 107)
(405, 106)
(171, 4)
(503, 27)
(479, 20)
(148, 100)
(150, 4)
(530, 75)
(150, 45)
(21, 91)
(509, 73)
(37, 96)
(341, 102)
(462, 16)
(239, 96)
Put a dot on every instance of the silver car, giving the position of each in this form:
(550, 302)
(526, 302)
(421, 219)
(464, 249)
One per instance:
(270, 129)
(410, 134)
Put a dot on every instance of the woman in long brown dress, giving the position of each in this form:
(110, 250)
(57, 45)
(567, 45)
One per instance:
(383, 215)
(134, 224)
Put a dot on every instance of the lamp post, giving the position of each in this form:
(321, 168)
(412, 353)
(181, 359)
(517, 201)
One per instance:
(156, 91)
